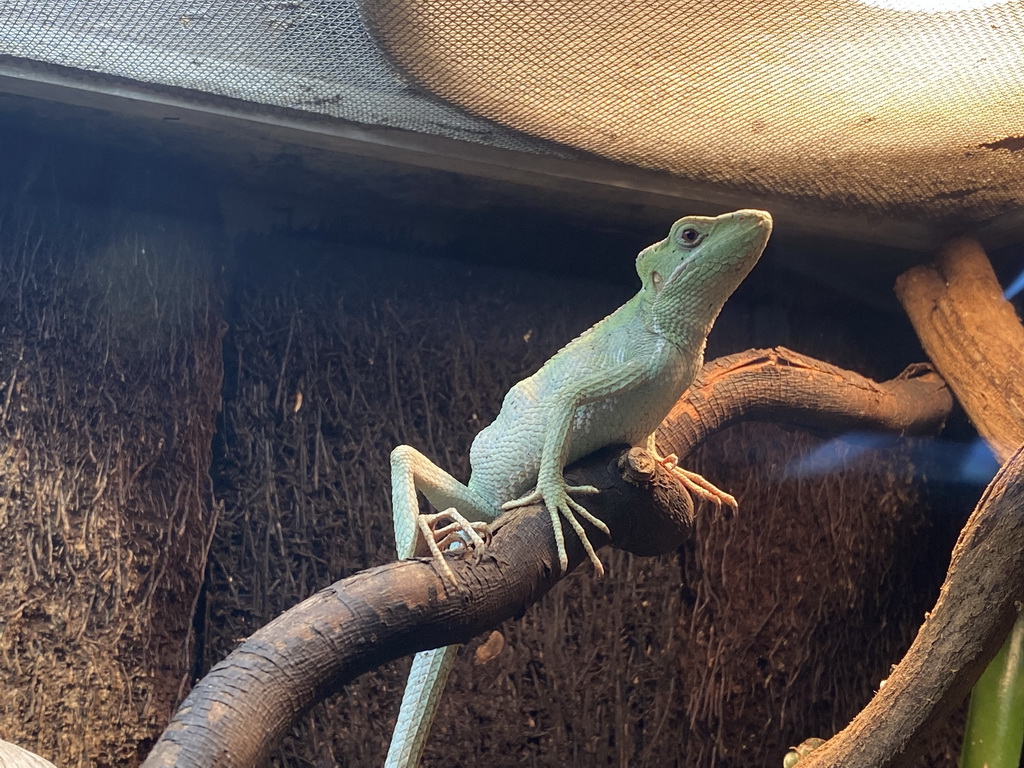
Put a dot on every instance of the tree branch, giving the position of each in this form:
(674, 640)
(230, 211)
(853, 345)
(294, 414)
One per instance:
(245, 705)
(977, 605)
(973, 336)
(975, 340)
(784, 387)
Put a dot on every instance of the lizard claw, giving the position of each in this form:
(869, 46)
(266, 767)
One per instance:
(559, 503)
(797, 753)
(449, 530)
(698, 485)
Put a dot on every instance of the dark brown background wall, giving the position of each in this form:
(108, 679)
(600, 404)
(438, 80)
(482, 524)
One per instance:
(352, 311)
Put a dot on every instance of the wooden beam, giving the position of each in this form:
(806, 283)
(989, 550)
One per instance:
(574, 173)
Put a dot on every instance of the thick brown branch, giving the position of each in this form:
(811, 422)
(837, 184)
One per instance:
(975, 340)
(978, 604)
(238, 712)
(973, 337)
(246, 704)
(785, 387)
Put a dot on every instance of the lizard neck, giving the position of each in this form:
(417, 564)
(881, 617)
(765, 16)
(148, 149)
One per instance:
(672, 322)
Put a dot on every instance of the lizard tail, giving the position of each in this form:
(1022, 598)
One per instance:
(427, 677)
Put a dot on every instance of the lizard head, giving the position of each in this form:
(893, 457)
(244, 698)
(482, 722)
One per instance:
(688, 276)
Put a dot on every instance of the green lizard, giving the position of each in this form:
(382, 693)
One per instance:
(612, 384)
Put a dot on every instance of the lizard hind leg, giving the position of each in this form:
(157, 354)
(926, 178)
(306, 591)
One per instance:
(449, 530)
(461, 523)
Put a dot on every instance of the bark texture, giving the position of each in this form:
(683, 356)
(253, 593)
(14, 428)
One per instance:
(785, 387)
(979, 602)
(973, 337)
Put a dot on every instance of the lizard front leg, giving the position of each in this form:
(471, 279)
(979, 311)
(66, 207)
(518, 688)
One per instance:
(558, 437)
(555, 496)
(553, 491)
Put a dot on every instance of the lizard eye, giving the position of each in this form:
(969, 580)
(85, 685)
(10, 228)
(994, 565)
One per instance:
(689, 237)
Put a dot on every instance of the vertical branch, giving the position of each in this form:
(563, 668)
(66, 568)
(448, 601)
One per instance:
(974, 338)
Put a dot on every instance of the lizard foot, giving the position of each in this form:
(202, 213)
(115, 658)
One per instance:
(796, 754)
(697, 485)
(559, 503)
(449, 530)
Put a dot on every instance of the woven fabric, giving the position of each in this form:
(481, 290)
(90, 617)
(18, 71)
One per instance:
(835, 101)
(312, 55)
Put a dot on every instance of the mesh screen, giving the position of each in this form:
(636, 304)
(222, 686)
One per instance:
(836, 101)
(832, 100)
(311, 55)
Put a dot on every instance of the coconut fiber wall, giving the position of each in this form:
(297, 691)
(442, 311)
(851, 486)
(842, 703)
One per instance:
(124, 322)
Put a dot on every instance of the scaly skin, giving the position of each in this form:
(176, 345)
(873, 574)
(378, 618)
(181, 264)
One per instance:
(612, 384)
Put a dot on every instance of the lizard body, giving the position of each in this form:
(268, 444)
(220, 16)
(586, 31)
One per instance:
(612, 384)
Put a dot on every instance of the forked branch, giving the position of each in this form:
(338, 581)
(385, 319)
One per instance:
(974, 338)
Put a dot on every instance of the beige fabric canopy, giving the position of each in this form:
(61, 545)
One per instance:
(841, 116)
(914, 113)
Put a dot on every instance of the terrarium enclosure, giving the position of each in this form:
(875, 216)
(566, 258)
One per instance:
(248, 247)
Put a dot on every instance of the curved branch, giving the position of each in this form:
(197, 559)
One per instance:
(978, 603)
(785, 387)
(245, 705)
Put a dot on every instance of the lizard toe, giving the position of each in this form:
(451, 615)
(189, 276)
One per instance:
(449, 531)
(532, 497)
(569, 510)
(582, 489)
